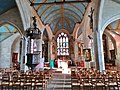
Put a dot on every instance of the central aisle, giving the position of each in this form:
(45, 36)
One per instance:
(61, 80)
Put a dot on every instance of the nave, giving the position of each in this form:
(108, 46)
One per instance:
(75, 78)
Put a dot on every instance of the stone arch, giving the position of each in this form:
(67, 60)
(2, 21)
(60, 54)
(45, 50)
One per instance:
(112, 39)
(25, 12)
(76, 30)
(112, 19)
(56, 43)
(62, 30)
(12, 24)
(45, 36)
(100, 27)
(109, 21)
(6, 46)
(49, 32)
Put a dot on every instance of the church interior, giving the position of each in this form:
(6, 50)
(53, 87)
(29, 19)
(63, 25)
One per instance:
(59, 44)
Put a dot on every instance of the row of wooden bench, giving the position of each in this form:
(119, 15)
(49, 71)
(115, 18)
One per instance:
(25, 80)
(85, 79)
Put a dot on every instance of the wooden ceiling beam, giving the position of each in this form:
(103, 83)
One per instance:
(60, 2)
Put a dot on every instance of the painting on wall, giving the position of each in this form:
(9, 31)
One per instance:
(87, 54)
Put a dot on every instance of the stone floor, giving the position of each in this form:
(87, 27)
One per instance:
(61, 80)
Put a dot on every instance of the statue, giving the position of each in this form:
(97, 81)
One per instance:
(91, 19)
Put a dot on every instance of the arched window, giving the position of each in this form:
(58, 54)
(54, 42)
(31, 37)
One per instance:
(62, 44)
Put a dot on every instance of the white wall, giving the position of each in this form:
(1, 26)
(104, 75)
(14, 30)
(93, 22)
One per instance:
(5, 52)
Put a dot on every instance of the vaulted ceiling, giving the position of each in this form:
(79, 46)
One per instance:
(117, 1)
(6, 30)
(114, 26)
(6, 5)
(60, 14)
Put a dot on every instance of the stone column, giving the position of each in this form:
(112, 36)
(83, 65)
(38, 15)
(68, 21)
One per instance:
(23, 56)
(80, 45)
(98, 49)
(39, 48)
(93, 53)
(21, 53)
(108, 51)
(97, 34)
(76, 50)
(49, 50)
(81, 51)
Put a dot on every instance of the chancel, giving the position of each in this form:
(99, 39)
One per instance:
(59, 44)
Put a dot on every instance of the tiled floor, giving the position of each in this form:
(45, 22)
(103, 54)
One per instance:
(61, 81)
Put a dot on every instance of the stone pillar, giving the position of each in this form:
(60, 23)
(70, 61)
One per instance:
(108, 51)
(39, 48)
(81, 51)
(49, 50)
(98, 49)
(23, 53)
(76, 50)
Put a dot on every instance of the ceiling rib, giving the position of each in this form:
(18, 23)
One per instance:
(40, 5)
(60, 13)
(60, 17)
(67, 22)
(83, 5)
(55, 29)
(76, 8)
(65, 14)
(60, 9)
(7, 28)
(53, 5)
(4, 33)
(46, 10)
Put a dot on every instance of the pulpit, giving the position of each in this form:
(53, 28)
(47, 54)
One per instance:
(33, 34)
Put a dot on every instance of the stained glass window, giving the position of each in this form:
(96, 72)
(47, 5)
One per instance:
(62, 44)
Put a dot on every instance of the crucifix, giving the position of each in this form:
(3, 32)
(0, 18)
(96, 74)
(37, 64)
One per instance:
(91, 18)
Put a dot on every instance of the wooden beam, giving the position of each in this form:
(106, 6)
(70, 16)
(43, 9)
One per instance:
(60, 2)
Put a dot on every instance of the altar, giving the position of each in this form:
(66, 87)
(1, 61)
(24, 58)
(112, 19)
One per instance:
(62, 64)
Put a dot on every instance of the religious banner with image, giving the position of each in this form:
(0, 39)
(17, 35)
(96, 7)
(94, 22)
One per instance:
(87, 54)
